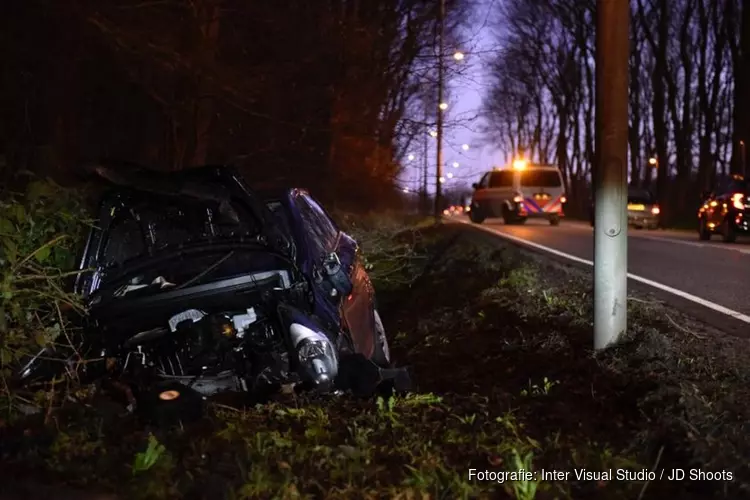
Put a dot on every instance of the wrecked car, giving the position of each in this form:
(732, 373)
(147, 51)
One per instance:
(197, 284)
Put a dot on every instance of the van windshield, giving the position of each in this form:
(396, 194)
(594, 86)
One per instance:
(541, 178)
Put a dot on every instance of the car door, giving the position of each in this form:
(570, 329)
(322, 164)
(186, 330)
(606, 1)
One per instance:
(352, 307)
(500, 190)
(479, 198)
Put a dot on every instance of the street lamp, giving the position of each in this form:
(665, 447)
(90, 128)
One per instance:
(458, 56)
(410, 157)
(450, 175)
(406, 190)
(442, 180)
(465, 147)
(519, 164)
(653, 161)
(433, 133)
(443, 106)
(455, 164)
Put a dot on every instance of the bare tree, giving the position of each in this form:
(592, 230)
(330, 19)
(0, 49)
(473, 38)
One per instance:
(684, 112)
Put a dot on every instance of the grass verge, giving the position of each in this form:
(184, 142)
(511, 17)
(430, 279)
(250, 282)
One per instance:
(499, 342)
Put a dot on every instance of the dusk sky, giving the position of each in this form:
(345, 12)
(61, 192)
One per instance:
(463, 125)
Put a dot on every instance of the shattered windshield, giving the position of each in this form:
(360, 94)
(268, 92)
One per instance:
(143, 227)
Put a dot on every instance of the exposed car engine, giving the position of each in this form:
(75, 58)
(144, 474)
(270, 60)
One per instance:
(237, 350)
(214, 352)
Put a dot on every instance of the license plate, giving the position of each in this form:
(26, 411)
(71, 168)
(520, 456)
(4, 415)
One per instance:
(636, 207)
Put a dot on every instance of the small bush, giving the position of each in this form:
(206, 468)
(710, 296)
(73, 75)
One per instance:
(39, 235)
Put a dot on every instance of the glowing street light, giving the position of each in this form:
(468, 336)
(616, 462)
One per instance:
(406, 190)
(465, 147)
(433, 133)
(653, 161)
(459, 56)
(450, 175)
(443, 106)
(442, 180)
(410, 157)
(456, 164)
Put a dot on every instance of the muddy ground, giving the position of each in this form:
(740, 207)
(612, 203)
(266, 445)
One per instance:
(499, 342)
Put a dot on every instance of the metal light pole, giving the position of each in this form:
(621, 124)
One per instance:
(441, 83)
(424, 208)
(610, 225)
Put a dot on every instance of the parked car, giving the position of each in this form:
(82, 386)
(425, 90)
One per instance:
(726, 211)
(519, 193)
(198, 284)
(643, 210)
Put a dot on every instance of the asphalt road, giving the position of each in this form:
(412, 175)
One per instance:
(716, 273)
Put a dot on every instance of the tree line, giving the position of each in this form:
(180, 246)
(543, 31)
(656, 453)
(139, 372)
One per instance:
(326, 95)
(689, 113)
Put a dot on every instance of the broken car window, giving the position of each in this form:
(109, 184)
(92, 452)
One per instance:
(321, 231)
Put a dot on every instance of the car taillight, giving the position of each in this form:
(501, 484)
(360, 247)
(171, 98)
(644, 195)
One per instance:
(563, 199)
(655, 210)
(738, 201)
(518, 199)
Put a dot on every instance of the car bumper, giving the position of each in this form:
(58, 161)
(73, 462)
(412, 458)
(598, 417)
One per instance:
(643, 220)
(524, 211)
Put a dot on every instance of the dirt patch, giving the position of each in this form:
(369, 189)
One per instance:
(499, 341)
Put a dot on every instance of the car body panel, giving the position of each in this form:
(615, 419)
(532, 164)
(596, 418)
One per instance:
(353, 313)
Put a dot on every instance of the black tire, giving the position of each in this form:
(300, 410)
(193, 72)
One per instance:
(168, 404)
(508, 217)
(728, 234)
(381, 356)
(521, 220)
(554, 220)
(476, 216)
(703, 232)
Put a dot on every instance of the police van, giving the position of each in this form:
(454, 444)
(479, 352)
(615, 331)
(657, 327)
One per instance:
(519, 193)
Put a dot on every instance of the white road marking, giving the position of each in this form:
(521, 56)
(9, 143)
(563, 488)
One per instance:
(674, 291)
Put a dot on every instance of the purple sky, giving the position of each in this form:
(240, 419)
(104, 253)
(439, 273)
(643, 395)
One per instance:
(463, 126)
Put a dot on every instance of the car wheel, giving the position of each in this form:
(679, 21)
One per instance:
(508, 217)
(554, 220)
(521, 220)
(703, 233)
(382, 354)
(728, 233)
(476, 216)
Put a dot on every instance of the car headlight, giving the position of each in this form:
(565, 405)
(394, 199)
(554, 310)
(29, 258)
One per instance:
(738, 201)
